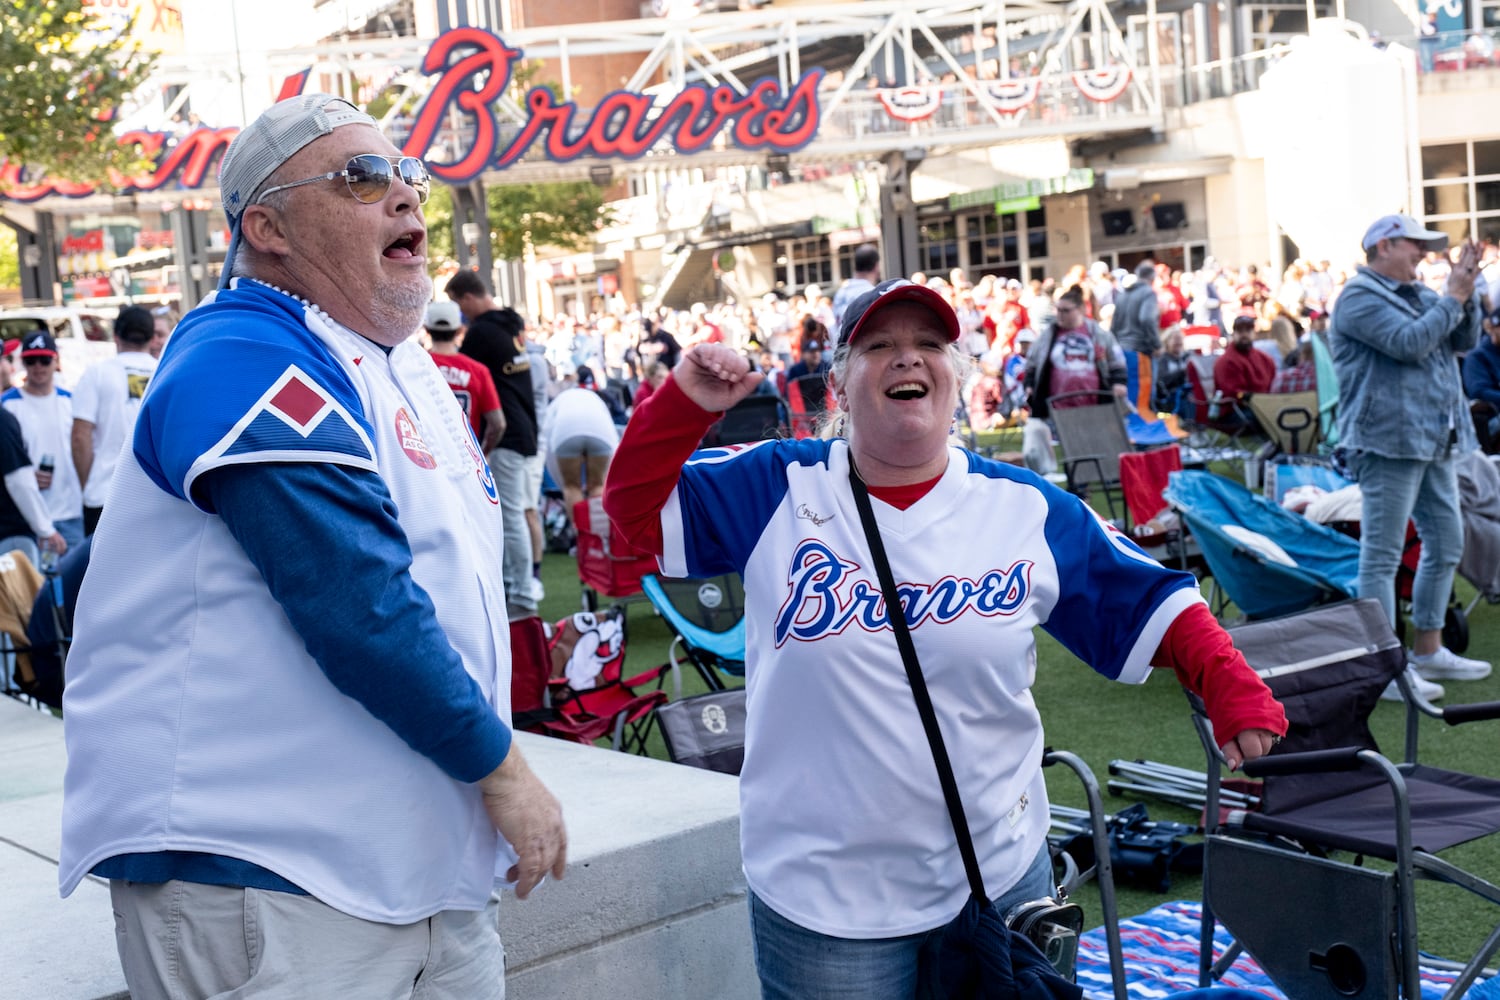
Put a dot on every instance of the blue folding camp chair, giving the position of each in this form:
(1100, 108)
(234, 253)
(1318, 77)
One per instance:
(707, 618)
(1267, 560)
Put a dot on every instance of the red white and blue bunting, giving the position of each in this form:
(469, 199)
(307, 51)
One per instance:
(1013, 97)
(1102, 85)
(911, 104)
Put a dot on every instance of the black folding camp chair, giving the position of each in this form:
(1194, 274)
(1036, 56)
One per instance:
(706, 730)
(1323, 928)
(707, 619)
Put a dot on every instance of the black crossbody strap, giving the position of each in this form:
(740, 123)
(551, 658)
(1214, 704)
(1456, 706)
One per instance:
(896, 612)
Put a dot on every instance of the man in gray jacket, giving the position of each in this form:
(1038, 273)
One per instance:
(1404, 422)
(1137, 326)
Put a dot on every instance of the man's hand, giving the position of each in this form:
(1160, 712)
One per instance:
(1119, 391)
(529, 817)
(715, 376)
(1250, 744)
(43, 480)
(1463, 273)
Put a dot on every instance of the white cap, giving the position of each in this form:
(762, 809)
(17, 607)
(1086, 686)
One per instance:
(1389, 227)
(443, 317)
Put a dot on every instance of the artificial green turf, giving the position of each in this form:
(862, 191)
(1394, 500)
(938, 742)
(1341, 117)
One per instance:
(1101, 721)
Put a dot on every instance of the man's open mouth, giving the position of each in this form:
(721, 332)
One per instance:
(407, 246)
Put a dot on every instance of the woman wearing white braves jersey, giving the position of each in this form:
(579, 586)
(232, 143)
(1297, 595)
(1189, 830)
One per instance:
(848, 849)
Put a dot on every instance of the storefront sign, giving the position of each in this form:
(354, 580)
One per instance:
(473, 69)
(1078, 179)
(1010, 205)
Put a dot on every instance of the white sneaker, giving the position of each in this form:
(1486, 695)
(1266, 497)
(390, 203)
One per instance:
(1448, 666)
(1423, 687)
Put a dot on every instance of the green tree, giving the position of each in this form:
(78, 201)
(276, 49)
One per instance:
(64, 75)
(562, 214)
(10, 259)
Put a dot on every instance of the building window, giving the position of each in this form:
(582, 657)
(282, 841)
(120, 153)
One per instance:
(808, 262)
(937, 246)
(1002, 244)
(1461, 189)
(1270, 24)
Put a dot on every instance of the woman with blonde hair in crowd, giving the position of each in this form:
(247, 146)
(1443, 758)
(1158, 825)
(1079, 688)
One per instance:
(853, 866)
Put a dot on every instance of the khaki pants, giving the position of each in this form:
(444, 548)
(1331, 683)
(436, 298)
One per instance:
(186, 941)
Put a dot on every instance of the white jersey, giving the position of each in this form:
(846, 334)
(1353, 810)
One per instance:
(47, 428)
(843, 826)
(255, 754)
(108, 395)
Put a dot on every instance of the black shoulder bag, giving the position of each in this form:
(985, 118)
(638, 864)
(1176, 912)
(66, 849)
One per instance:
(981, 958)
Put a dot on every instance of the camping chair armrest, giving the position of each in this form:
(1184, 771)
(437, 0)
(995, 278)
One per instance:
(1070, 464)
(1479, 711)
(1307, 762)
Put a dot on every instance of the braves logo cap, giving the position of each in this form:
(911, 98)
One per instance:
(268, 142)
(38, 344)
(860, 312)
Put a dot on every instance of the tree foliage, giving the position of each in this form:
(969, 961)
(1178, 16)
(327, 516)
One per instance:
(65, 75)
(10, 259)
(564, 215)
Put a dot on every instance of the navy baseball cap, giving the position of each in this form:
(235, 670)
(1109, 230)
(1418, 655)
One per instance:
(860, 311)
(38, 344)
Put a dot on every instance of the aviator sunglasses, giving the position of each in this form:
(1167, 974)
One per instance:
(369, 176)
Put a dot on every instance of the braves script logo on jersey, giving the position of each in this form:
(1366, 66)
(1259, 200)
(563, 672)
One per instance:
(824, 599)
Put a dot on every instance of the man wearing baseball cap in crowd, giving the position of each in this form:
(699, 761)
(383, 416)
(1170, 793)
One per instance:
(287, 732)
(470, 381)
(854, 867)
(1404, 422)
(46, 415)
(106, 401)
(25, 523)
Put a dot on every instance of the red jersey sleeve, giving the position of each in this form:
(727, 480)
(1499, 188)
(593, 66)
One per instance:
(664, 430)
(1203, 656)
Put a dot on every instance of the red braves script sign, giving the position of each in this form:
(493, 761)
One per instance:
(473, 68)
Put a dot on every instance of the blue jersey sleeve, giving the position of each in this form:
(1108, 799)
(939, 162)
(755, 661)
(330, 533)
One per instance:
(1115, 603)
(245, 386)
(723, 501)
(326, 540)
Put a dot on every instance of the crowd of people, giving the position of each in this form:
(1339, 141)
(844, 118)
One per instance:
(59, 448)
(288, 729)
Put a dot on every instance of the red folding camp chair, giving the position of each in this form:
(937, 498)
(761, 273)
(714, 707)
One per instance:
(607, 563)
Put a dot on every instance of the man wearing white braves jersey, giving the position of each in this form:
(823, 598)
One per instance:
(852, 864)
(46, 415)
(287, 730)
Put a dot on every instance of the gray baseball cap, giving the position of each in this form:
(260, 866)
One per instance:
(268, 142)
(1390, 227)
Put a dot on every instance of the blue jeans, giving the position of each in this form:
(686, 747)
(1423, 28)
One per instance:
(795, 963)
(1395, 490)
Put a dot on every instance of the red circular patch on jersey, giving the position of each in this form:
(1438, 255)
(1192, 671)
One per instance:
(411, 440)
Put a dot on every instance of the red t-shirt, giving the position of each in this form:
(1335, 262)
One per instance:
(472, 384)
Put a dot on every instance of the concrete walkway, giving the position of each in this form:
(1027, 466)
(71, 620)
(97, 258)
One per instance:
(653, 905)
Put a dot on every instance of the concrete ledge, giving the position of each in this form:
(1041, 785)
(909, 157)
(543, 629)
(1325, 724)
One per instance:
(653, 904)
